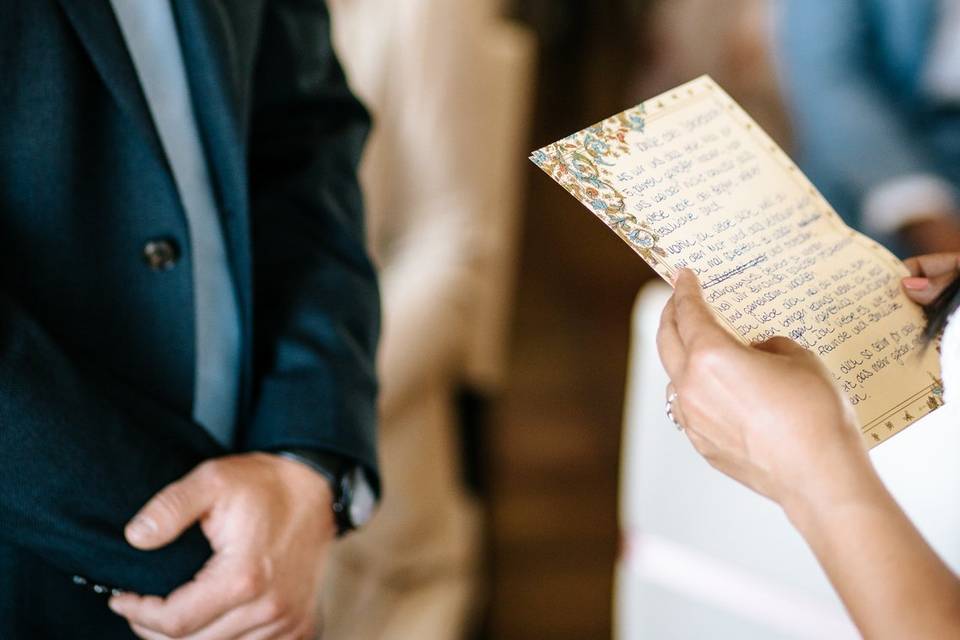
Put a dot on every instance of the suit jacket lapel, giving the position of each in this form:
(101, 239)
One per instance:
(212, 75)
(100, 35)
(214, 80)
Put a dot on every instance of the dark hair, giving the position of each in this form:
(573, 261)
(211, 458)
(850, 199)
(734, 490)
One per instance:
(939, 311)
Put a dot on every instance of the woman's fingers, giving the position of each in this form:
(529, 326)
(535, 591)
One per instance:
(685, 317)
(930, 275)
(932, 265)
(694, 317)
(679, 417)
(779, 345)
(669, 345)
(704, 446)
(924, 290)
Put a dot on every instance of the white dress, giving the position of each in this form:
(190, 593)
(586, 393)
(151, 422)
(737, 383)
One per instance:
(921, 465)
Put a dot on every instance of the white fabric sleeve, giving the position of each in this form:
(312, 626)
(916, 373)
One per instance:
(896, 203)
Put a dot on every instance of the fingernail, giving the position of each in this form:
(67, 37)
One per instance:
(141, 528)
(916, 284)
(115, 605)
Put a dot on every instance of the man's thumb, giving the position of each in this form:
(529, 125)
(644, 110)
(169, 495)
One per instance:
(170, 512)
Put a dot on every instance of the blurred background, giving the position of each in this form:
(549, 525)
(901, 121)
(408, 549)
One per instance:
(508, 306)
(555, 438)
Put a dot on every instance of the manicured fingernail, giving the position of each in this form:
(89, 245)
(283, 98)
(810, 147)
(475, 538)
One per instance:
(141, 528)
(116, 605)
(916, 284)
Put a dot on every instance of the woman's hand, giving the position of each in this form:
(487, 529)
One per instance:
(768, 416)
(930, 275)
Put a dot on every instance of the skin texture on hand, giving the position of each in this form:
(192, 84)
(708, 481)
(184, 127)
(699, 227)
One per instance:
(768, 415)
(930, 275)
(269, 522)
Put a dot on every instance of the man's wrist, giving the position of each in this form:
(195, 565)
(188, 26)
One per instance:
(353, 499)
(315, 462)
(308, 487)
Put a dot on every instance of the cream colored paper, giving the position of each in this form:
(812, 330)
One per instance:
(688, 179)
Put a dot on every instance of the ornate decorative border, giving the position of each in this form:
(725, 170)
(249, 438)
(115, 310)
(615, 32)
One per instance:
(581, 164)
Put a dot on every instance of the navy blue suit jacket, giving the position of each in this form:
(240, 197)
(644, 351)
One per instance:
(97, 348)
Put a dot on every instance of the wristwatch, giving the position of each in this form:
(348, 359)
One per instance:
(354, 500)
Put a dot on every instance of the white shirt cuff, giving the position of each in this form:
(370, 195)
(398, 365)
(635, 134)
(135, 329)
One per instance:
(899, 202)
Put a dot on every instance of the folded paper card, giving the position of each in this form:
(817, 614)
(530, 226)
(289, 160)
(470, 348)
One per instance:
(688, 179)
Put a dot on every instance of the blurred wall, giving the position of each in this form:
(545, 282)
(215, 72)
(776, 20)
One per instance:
(729, 40)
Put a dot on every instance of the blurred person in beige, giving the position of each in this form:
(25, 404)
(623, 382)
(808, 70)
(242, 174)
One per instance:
(446, 84)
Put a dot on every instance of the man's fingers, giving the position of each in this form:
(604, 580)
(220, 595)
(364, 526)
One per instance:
(172, 511)
(264, 617)
(669, 345)
(147, 634)
(308, 630)
(244, 626)
(256, 620)
(282, 629)
(222, 586)
(695, 319)
(932, 265)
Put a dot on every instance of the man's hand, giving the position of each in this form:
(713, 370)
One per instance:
(269, 522)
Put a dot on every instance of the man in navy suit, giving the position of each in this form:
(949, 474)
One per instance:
(188, 318)
(874, 88)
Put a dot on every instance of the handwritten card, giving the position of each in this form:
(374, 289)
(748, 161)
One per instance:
(688, 179)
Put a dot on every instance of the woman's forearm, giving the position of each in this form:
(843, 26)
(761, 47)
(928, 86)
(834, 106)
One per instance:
(892, 582)
(771, 417)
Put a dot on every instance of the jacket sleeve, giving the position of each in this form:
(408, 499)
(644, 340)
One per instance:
(843, 111)
(316, 305)
(80, 453)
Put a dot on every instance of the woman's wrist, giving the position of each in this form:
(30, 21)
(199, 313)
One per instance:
(826, 465)
(841, 482)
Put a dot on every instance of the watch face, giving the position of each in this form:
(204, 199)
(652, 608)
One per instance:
(362, 499)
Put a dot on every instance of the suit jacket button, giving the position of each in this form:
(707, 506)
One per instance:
(161, 254)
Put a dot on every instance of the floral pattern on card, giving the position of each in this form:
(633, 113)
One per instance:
(582, 164)
(689, 180)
